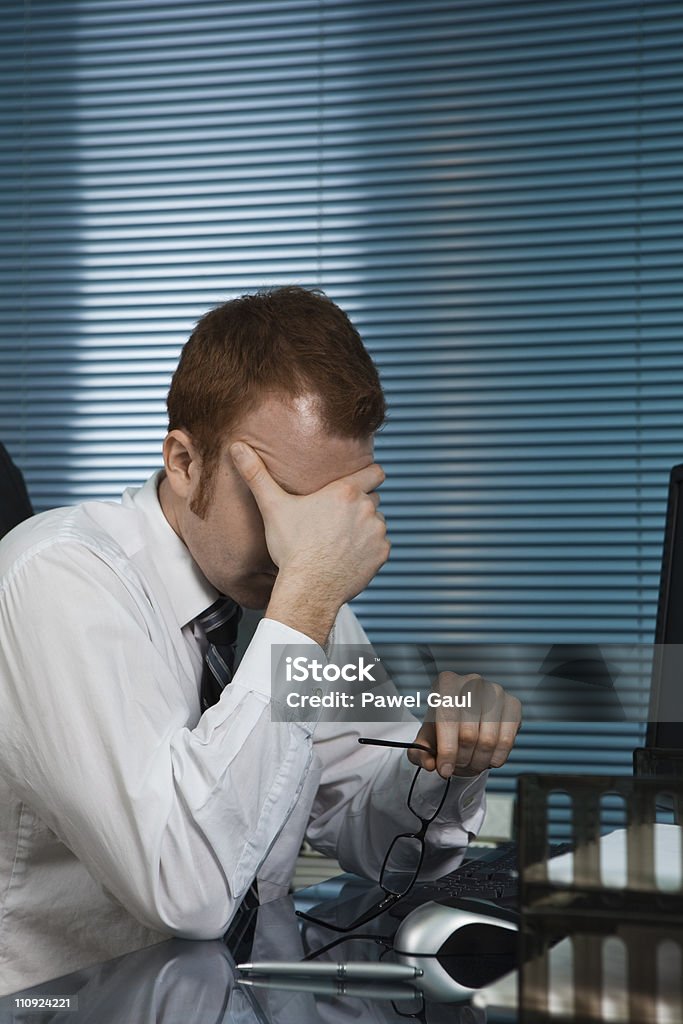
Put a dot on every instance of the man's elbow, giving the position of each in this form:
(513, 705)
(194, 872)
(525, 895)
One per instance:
(191, 915)
(197, 922)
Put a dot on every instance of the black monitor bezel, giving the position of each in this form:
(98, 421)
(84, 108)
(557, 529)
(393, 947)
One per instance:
(662, 629)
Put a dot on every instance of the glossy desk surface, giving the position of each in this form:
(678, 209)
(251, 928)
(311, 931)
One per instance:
(183, 981)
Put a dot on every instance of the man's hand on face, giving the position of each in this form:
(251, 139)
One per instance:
(468, 740)
(334, 540)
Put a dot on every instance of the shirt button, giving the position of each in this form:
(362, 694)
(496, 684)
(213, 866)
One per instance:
(317, 692)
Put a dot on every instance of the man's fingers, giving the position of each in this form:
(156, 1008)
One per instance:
(251, 468)
(491, 707)
(511, 719)
(476, 734)
(455, 734)
(456, 741)
(369, 478)
(427, 737)
(487, 742)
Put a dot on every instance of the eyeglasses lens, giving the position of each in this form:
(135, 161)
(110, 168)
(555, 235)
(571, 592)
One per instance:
(401, 865)
(427, 795)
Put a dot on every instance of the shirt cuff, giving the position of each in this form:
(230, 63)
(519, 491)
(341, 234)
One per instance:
(466, 802)
(255, 670)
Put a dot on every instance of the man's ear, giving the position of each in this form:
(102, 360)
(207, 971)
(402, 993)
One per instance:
(182, 463)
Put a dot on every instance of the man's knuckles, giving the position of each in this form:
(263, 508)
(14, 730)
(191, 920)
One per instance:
(346, 492)
(487, 745)
(468, 734)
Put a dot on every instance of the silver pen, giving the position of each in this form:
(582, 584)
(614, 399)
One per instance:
(392, 990)
(360, 970)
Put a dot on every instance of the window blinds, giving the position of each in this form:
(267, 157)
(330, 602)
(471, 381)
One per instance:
(491, 190)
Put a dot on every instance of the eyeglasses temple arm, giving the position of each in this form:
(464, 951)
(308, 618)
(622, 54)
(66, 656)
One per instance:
(395, 743)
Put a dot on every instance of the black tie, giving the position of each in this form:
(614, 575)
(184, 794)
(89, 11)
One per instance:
(219, 623)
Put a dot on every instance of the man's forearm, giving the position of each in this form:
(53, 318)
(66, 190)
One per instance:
(299, 604)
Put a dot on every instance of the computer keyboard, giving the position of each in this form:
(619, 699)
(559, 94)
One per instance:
(491, 876)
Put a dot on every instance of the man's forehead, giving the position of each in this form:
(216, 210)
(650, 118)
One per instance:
(302, 471)
(298, 450)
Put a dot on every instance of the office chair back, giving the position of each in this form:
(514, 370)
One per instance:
(15, 504)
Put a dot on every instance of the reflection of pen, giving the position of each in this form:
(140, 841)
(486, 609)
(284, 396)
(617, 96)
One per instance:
(361, 970)
(395, 991)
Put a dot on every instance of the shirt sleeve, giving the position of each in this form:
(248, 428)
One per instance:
(172, 821)
(362, 800)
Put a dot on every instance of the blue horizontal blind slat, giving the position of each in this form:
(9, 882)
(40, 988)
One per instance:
(492, 191)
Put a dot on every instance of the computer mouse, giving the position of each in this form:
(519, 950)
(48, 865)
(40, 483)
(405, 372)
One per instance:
(459, 944)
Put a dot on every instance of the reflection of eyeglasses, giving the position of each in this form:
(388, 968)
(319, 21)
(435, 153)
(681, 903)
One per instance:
(403, 860)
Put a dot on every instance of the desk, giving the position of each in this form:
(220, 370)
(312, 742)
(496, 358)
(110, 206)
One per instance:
(178, 982)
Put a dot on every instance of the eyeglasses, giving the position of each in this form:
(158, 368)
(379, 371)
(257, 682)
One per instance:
(403, 859)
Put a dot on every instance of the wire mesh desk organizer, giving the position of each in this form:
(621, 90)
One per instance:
(601, 934)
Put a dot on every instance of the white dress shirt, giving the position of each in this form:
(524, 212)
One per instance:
(125, 815)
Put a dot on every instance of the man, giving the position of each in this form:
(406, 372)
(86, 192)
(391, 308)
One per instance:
(127, 814)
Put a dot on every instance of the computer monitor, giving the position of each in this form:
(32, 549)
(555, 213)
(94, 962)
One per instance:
(665, 731)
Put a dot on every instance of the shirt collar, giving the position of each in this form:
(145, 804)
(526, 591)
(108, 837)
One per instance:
(188, 590)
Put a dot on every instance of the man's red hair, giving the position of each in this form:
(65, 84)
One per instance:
(288, 341)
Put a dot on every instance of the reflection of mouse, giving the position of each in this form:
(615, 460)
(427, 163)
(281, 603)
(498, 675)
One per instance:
(459, 944)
